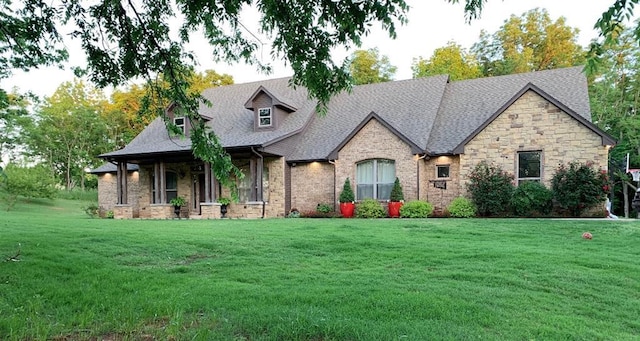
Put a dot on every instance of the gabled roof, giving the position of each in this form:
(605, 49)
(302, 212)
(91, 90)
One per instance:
(373, 116)
(432, 115)
(277, 100)
(606, 138)
(468, 104)
(409, 106)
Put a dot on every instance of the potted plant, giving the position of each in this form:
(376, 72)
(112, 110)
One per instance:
(224, 204)
(177, 202)
(396, 199)
(347, 199)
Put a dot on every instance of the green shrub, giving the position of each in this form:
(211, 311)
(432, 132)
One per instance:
(109, 215)
(579, 187)
(531, 198)
(347, 192)
(461, 207)
(416, 209)
(324, 208)
(396, 192)
(370, 208)
(27, 182)
(491, 189)
(91, 210)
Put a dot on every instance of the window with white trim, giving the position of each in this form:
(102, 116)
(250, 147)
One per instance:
(179, 122)
(529, 166)
(442, 171)
(374, 179)
(264, 117)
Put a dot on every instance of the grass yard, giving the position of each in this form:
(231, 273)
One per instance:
(306, 279)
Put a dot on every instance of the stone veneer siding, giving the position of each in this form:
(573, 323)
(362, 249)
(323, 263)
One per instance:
(533, 124)
(312, 184)
(440, 198)
(374, 141)
(108, 196)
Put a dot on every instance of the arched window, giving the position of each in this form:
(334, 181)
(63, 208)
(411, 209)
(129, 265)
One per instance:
(374, 179)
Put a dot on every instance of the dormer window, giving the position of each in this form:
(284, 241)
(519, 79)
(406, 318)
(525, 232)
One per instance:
(264, 117)
(179, 122)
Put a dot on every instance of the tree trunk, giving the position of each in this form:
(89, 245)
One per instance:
(625, 195)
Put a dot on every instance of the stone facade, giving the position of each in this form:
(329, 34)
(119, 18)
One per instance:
(531, 123)
(107, 193)
(375, 141)
(437, 196)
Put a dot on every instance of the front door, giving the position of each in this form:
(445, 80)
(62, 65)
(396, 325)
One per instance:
(197, 193)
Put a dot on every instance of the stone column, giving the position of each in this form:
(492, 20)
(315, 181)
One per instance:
(207, 182)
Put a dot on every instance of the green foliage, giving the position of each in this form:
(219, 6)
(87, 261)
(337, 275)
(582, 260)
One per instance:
(324, 208)
(452, 60)
(224, 201)
(491, 189)
(416, 209)
(370, 208)
(294, 213)
(14, 119)
(178, 201)
(461, 207)
(367, 66)
(396, 192)
(530, 42)
(578, 187)
(531, 198)
(347, 192)
(91, 210)
(78, 194)
(109, 214)
(27, 182)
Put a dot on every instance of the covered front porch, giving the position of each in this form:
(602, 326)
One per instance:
(165, 177)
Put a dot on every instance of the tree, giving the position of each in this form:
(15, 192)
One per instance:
(452, 60)
(368, 66)
(13, 117)
(28, 182)
(530, 42)
(127, 113)
(125, 40)
(69, 131)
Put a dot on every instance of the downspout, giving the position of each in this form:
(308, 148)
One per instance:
(260, 180)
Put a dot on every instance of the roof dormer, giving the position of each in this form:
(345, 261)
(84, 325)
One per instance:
(269, 110)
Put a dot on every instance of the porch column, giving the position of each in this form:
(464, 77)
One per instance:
(259, 169)
(156, 183)
(121, 183)
(163, 183)
(207, 182)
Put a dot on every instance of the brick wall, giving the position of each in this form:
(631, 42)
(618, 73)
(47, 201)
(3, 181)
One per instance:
(532, 124)
(107, 192)
(374, 141)
(311, 184)
(440, 198)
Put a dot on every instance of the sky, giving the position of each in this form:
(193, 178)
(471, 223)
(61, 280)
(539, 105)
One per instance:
(432, 23)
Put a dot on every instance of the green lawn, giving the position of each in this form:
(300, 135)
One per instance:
(307, 279)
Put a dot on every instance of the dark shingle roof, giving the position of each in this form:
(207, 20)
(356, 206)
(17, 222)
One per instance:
(410, 106)
(467, 104)
(430, 113)
(109, 167)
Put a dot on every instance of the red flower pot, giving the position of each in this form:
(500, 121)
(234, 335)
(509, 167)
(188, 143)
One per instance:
(394, 209)
(346, 209)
